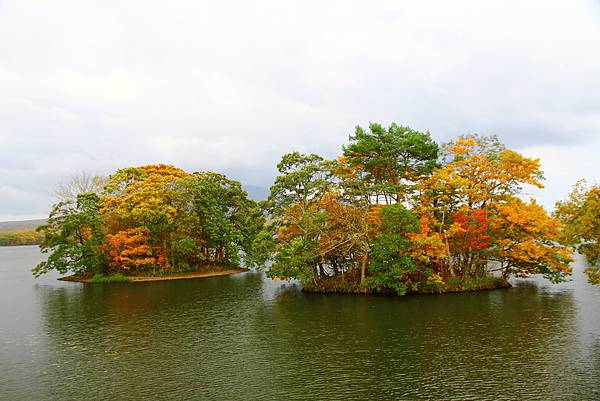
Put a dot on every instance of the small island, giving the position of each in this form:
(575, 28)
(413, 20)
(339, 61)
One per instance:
(150, 223)
(395, 213)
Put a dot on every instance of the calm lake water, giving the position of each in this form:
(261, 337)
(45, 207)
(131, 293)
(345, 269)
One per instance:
(246, 337)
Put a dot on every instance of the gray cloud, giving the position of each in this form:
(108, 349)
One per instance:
(232, 85)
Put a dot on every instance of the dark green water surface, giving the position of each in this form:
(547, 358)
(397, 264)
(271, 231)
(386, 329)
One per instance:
(245, 337)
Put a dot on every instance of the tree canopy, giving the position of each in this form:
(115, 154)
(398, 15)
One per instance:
(580, 214)
(394, 213)
(154, 219)
(397, 212)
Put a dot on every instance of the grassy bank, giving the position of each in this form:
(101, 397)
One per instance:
(119, 278)
(102, 278)
(350, 284)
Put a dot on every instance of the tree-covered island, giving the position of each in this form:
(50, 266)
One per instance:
(395, 213)
(155, 220)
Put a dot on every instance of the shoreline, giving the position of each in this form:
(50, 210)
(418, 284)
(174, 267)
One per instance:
(348, 287)
(145, 279)
(408, 293)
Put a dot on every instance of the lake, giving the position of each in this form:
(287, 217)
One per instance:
(245, 337)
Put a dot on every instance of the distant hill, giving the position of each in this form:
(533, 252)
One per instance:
(14, 226)
(256, 193)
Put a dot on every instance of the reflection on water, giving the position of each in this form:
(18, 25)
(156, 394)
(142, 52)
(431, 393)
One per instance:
(245, 337)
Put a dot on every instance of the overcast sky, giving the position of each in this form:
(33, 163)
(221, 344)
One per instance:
(232, 85)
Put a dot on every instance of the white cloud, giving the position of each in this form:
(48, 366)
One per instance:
(563, 165)
(230, 86)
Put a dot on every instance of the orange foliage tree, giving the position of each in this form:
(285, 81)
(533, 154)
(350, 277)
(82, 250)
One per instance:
(130, 251)
(580, 214)
(473, 204)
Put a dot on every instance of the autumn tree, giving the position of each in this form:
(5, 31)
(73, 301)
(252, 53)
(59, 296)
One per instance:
(129, 250)
(472, 203)
(527, 241)
(347, 232)
(145, 197)
(580, 214)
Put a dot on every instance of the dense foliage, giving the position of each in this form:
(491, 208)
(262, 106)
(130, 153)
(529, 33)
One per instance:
(398, 213)
(581, 216)
(394, 213)
(154, 219)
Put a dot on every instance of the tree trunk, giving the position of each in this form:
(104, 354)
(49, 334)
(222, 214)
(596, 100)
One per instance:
(505, 272)
(450, 267)
(363, 267)
(336, 270)
(164, 251)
